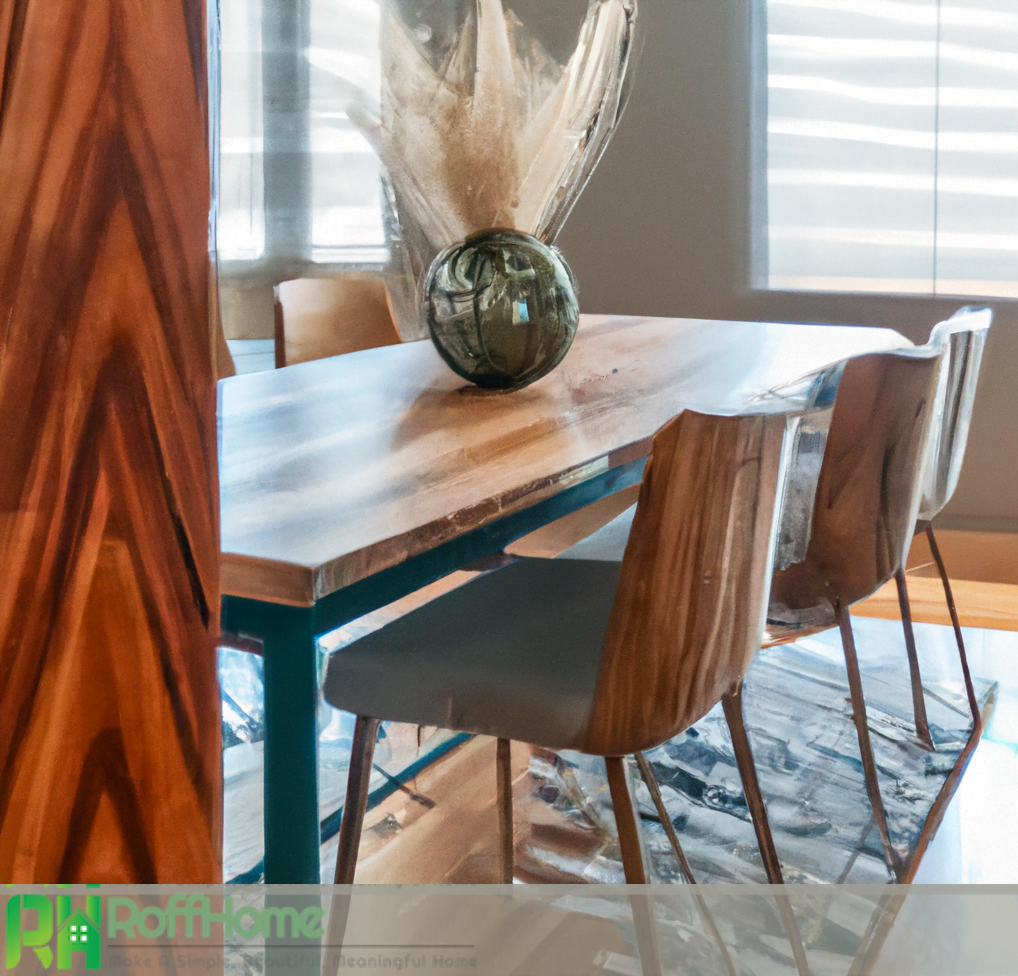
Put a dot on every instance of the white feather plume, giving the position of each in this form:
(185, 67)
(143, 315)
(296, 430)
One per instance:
(499, 134)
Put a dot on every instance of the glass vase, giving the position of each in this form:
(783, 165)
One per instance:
(488, 122)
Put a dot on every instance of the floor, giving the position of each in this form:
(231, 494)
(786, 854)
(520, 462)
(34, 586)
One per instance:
(439, 825)
(563, 823)
(976, 842)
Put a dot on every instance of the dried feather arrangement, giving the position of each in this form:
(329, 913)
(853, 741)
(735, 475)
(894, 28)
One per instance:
(494, 132)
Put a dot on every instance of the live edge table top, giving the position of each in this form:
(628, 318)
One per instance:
(331, 471)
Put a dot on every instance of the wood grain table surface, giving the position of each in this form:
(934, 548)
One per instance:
(336, 469)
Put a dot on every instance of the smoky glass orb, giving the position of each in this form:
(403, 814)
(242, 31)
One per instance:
(501, 308)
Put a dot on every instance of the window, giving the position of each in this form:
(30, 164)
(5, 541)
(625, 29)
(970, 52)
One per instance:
(346, 185)
(892, 146)
(298, 182)
(241, 221)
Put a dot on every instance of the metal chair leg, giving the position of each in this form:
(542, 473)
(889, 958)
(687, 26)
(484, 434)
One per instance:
(922, 725)
(647, 773)
(362, 751)
(625, 820)
(620, 787)
(732, 703)
(335, 936)
(956, 623)
(869, 765)
(504, 801)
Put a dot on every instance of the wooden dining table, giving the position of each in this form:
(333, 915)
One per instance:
(348, 483)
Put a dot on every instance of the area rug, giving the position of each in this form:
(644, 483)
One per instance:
(807, 756)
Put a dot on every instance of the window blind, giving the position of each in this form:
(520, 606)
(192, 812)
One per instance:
(241, 218)
(892, 146)
(298, 181)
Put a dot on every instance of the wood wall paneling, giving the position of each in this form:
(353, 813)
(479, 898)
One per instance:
(110, 765)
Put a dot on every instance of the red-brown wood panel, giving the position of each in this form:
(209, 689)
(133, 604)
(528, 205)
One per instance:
(110, 763)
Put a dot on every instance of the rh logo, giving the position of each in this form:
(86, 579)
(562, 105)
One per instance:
(31, 925)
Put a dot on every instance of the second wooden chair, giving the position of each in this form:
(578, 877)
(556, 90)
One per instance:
(860, 505)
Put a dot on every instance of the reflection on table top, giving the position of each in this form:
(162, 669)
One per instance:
(333, 470)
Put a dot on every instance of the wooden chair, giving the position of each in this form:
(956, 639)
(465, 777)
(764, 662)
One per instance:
(605, 658)
(320, 317)
(863, 518)
(862, 508)
(962, 337)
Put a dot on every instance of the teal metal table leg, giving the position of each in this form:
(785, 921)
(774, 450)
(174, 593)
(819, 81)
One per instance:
(292, 833)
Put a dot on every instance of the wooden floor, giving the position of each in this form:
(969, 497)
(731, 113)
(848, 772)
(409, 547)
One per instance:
(993, 606)
(984, 557)
(445, 830)
(983, 567)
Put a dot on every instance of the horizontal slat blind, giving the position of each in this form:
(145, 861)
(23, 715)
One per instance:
(346, 186)
(977, 199)
(893, 146)
(241, 219)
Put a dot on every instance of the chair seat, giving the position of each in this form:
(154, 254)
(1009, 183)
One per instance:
(513, 654)
(607, 544)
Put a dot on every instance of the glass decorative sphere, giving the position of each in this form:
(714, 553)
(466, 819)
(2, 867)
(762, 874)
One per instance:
(502, 308)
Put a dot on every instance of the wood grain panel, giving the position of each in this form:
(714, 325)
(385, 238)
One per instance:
(689, 610)
(110, 764)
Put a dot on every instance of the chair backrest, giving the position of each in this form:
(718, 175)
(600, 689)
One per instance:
(690, 605)
(963, 337)
(815, 394)
(867, 500)
(320, 317)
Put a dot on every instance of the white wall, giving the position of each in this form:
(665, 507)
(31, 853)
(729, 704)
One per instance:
(664, 229)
